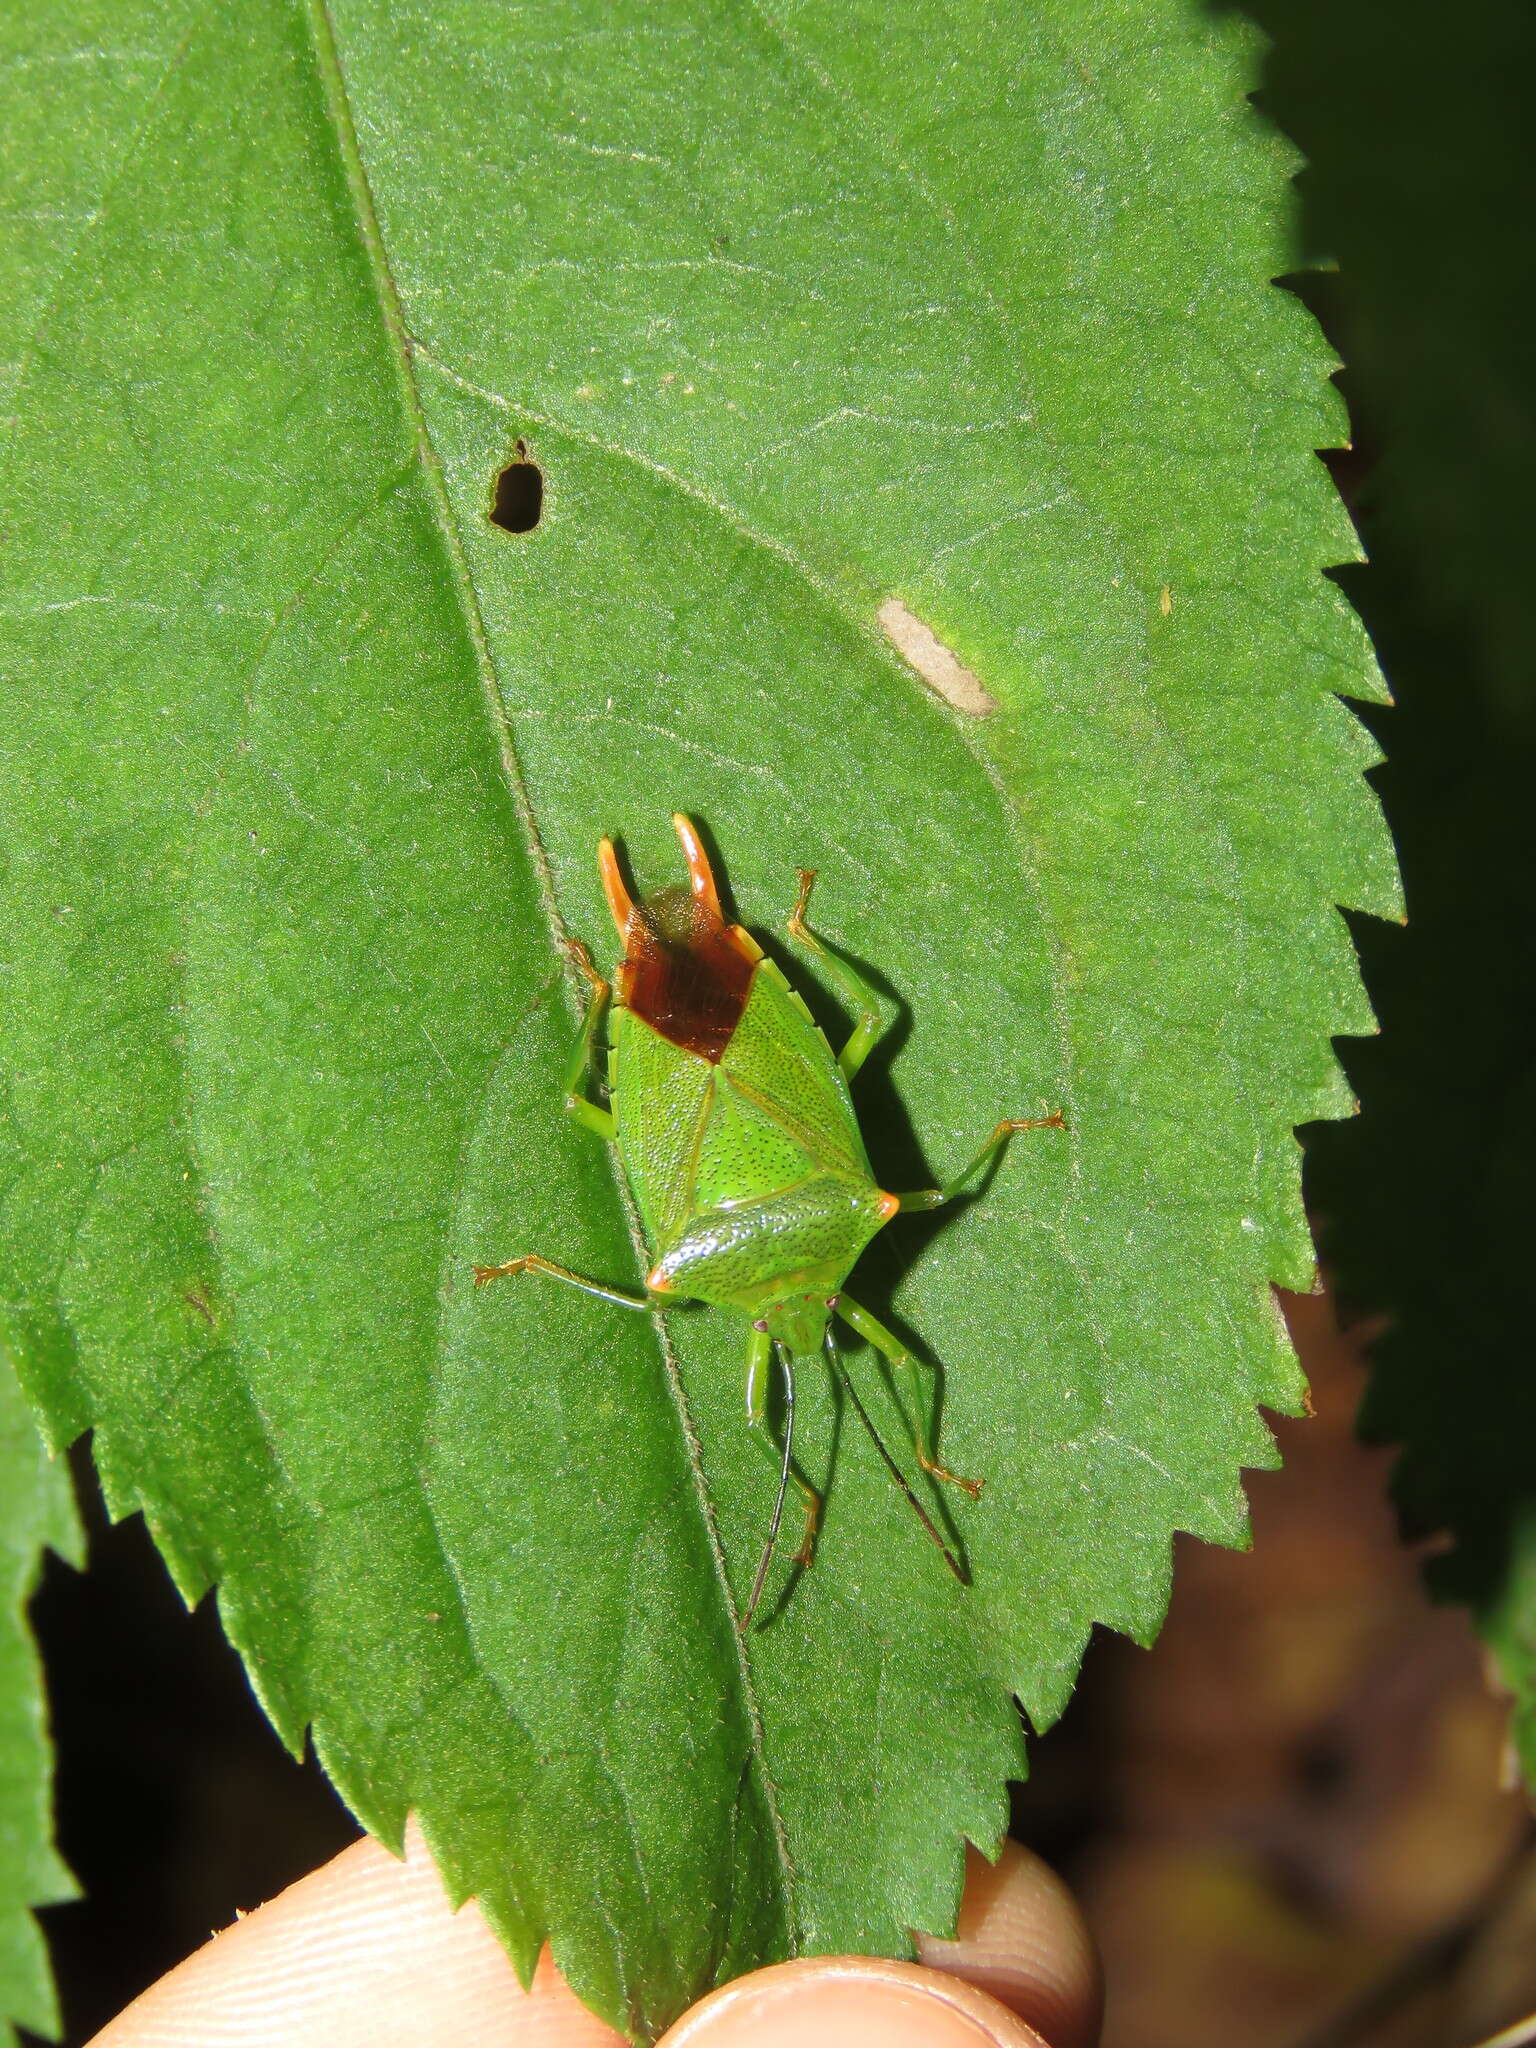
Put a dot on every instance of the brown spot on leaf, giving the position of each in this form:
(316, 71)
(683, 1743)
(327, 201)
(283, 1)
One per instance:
(940, 669)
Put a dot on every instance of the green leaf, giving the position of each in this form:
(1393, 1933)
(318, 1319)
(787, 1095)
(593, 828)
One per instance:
(36, 1509)
(1420, 143)
(800, 311)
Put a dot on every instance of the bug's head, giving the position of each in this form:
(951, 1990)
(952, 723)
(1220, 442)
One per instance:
(798, 1322)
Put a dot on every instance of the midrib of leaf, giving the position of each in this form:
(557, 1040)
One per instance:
(334, 89)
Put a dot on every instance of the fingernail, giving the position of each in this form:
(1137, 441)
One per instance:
(828, 2002)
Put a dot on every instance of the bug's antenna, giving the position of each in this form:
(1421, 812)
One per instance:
(891, 1466)
(778, 1505)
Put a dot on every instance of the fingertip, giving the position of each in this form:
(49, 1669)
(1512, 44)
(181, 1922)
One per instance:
(1021, 1972)
(365, 1950)
(1022, 1937)
(368, 1949)
(828, 2001)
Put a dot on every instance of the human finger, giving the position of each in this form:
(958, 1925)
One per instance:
(362, 1953)
(1022, 1937)
(1020, 1973)
(366, 1951)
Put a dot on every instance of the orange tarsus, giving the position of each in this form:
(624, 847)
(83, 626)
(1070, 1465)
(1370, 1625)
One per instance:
(700, 875)
(583, 960)
(620, 902)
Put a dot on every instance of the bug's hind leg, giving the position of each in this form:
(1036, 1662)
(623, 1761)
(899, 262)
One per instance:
(905, 1366)
(848, 982)
(531, 1262)
(898, 1478)
(759, 1358)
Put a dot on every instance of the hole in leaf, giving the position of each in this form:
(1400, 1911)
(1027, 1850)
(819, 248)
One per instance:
(518, 498)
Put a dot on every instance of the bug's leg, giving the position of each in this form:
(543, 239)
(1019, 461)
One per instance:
(846, 980)
(785, 1463)
(759, 1357)
(935, 1198)
(531, 1262)
(578, 1103)
(901, 1362)
(835, 1360)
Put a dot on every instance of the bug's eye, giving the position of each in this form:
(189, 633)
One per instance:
(761, 1323)
(831, 1301)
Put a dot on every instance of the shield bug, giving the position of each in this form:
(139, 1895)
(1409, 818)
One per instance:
(737, 1133)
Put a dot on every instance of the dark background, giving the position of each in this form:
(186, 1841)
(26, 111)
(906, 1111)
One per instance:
(1287, 1821)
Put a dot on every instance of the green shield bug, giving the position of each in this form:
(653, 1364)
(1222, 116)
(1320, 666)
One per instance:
(737, 1133)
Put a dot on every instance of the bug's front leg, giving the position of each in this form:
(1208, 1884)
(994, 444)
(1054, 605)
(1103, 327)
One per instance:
(935, 1198)
(578, 1103)
(759, 1358)
(902, 1362)
(849, 983)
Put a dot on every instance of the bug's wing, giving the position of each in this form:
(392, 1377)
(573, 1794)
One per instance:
(779, 1062)
(661, 1102)
(745, 1153)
